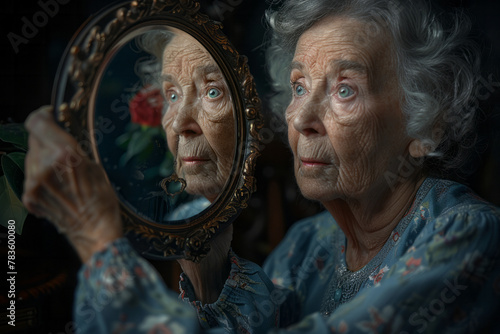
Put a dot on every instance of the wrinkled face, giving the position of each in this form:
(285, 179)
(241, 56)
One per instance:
(199, 119)
(345, 124)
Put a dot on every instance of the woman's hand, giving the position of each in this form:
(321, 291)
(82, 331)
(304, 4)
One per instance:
(208, 276)
(68, 189)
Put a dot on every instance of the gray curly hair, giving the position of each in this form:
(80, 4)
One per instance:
(154, 43)
(437, 66)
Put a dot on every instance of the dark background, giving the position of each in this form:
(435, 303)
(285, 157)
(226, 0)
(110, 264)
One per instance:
(47, 266)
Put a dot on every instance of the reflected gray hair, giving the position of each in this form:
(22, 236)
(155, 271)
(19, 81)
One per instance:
(437, 66)
(154, 43)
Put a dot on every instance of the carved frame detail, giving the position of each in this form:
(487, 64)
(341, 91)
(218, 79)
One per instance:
(190, 241)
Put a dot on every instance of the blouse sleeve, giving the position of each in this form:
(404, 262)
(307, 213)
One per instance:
(448, 282)
(120, 292)
(300, 266)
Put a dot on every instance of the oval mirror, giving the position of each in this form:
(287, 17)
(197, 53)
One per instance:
(155, 93)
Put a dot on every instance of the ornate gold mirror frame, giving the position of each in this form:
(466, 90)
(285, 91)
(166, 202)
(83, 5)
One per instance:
(75, 88)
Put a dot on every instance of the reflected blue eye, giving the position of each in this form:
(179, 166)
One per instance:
(299, 90)
(173, 97)
(345, 92)
(213, 93)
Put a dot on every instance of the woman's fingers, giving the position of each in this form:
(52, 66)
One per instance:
(38, 122)
(50, 188)
(67, 188)
(30, 165)
(53, 155)
(43, 128)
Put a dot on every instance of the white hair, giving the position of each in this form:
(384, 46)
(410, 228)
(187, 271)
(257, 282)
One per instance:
(437, 66)
(154, 43)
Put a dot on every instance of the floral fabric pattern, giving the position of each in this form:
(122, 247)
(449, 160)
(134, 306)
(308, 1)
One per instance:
(438, 272)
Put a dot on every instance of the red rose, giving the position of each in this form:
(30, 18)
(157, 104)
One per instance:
(146, 106)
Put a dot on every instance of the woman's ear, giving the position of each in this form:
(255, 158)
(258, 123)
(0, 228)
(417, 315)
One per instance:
(419, 148)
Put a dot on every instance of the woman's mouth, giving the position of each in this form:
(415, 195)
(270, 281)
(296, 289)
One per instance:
(194, 160)
(312, 162)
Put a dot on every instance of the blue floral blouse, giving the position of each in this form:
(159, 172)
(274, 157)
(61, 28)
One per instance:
(438, 272)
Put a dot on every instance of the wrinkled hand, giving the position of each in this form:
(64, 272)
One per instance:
(209, 275)
(67, 188)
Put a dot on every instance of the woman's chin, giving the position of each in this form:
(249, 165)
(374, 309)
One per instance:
(319, 191)
(318, 186)
(198, 187)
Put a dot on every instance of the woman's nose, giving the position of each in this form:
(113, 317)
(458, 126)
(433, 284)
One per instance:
(309, 118)
(186, 121)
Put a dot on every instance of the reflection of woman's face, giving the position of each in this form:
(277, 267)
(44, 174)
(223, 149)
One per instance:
(199, 119)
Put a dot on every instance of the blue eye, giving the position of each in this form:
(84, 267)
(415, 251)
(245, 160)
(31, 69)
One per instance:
(173, 97)
(299, 90)
(213, 93)
(345, 92)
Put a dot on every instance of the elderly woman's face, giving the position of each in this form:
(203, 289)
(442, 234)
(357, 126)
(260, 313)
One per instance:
(199, 119)
(346, 128)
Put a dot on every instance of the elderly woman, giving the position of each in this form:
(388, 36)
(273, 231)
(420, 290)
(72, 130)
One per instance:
(381, 99)
(198, 117)
(198, 120)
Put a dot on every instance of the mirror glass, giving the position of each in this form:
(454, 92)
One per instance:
(156, 94)
(164, 125)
